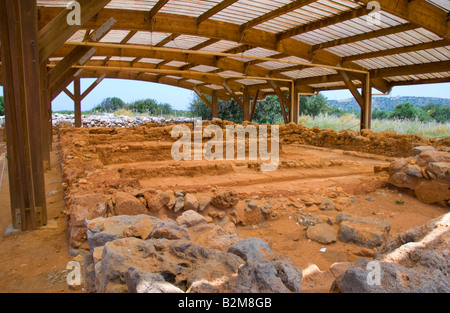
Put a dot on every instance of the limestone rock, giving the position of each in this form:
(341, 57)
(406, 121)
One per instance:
(321, 233)
(156, 200)
(190, 218)
(126, 204)
(190, 202)
(139, 281)
(225, 199)
(170, 230)
(327, 204)
(433, 191)
(367, 232)
(394, 278)
(87, 207)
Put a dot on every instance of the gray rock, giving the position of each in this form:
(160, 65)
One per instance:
(179, 204)
(367, 232)
(190, 202)
(327, 204)
(290, 275)
(418, 150)
(169, 229)
(252, 248)
(139, 281)
(126, 204)
(440, 169)
(204, 202)
(190, 218)
(394, 278)
(322, 233)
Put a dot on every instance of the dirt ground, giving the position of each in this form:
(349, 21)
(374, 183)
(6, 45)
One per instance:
(36, 261)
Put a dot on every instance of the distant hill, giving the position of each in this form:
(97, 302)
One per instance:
(388, 103)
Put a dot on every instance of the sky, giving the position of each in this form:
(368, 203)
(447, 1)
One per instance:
(180, 98)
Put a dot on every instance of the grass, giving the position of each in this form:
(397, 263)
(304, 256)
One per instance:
(350, 121)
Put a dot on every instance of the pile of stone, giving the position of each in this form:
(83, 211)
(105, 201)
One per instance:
(111, 120)
(415, 261)
(427, 174)
(219, 208)
(143, 254)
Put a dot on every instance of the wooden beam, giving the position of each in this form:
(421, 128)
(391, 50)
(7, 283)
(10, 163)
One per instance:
(254, 104)
(77, 101)
(282, 99)
(79, 54)
(92, 87)
(69, 94)
(365, 36)
(419, 12)
(275, 13)
(247, 109)
(204, 99)
(366, 109)
(215, 105)
(214, 10)
(55, 33)
(20, 62)
(233, 95)
(352, 89)
(323, 23)
(158, 6)
(433, 67)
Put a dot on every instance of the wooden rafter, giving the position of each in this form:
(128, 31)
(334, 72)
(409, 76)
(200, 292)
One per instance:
(55, 33)
(275, 13)
(158, 6)
(214, 10)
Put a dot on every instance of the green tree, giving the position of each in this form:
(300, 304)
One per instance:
(2, 106)
(437, 112)
(111, 105)
(407, 110)
(198, 108)
(230, 111)
(380, 114)
(144, 106)
(316, 105)
(268, 111)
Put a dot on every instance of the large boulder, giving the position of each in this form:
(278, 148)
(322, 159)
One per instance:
(224, 199)
(369, 232)
(127, 204)
(322, 233)
(180, 263)
(393, 278)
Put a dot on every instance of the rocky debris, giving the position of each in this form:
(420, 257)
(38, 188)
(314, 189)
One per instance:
(307, 219)
(369, 232)
(190, 202)
(156, 200)
(262, 272)
(131, 264)
(252, 214)
(394, 278)
(139, 281)
(169, 229)
(190, 218)
(427, 174)
(111, 120)
(418, 150)
(413, 261)
(126, 204)
(321, 233)
(224, 199)
(204, 202)
(327, 204)
(84, 207)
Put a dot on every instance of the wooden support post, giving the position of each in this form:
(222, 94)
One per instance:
(233, 95)
(20, 61)
(366, 110)
(247, 109)
(77, 101)
(254, 104)
(215, 105)
(44, 116)
(282, 99)
(295, 103)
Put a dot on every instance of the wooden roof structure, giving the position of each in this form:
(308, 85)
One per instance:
(227, 49)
